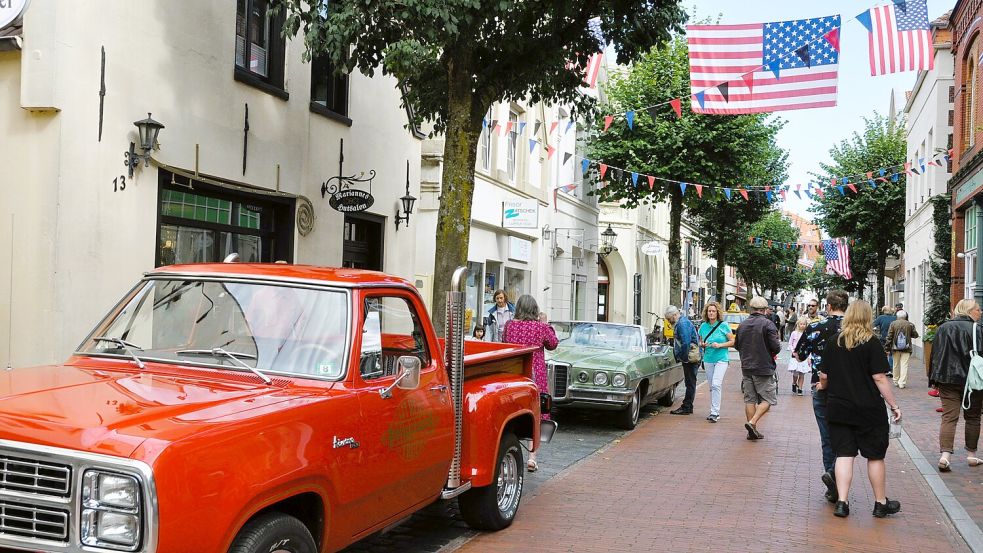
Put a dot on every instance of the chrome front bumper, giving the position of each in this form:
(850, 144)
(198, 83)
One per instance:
(599, 398)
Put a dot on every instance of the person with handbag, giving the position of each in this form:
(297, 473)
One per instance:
(715, 338)
(686, 348)
(757, 342)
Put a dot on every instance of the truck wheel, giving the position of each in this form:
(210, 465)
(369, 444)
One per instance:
(274, 533)
(668, 397)
(493, 507)
(628, 418)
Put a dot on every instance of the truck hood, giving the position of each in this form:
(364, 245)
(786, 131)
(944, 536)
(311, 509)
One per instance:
(109, 409)
(595, 358)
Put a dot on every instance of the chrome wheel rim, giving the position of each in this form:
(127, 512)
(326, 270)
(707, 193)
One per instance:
(509, 483)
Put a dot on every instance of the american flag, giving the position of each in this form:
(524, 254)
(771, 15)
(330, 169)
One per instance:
(593, 69)
(899, 37)
(763, 67)
(837, 257)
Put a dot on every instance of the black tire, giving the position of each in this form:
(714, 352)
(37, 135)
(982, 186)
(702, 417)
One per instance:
(494, 507)
(274, 533)
(667, 398)
(628, 417)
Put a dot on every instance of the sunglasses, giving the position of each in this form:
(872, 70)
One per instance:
(813, 305)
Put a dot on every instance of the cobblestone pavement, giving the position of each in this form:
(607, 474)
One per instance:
(681, 484)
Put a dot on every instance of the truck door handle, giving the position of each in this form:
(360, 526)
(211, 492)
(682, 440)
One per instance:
(438, 388)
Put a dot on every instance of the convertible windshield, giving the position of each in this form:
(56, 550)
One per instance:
(600, 335)
(262, 327)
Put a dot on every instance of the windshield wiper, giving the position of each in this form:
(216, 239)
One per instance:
(233, 355)
(124, 345)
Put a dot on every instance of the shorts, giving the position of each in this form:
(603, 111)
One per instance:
(871, 441)
(759, 388)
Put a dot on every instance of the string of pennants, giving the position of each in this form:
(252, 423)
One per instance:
(758, 241)
(788, 269)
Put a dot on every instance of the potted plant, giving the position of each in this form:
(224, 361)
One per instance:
(927, 337)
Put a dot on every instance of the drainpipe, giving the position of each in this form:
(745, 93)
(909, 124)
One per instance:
(978, 289)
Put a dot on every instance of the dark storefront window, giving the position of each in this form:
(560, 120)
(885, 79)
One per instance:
(328, 90)
(200, 225)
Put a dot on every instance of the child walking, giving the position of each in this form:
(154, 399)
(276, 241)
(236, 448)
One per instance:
(796, 367)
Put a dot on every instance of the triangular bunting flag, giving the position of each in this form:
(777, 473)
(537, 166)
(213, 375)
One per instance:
(677, 106)
(870, 174)
(532, 144)
(484, 123)
(569, 124)
(494, 125)
(566, 157)
(749, 80)
(550, 150)
(653, 113)
(553, 126)
(604, 169)
(724, 89)
(682, 187)
(608, 119)
(907, 168)
(651, 182)
(769, 195)
(833, 38)
(508, 127)
(872, 184)
(522, 127)
(852, 188)
(803, 53)
(882, 172)
(864, 19)
(699, 190)
(727, 192)
(630, 118)
(797, 194)
(535, 130)
(701, 98)
(820, 192)
(784, 194)
(921, 162)
(840, 188)
(584, 164)
(775, 67)
(634, 179)
(743, 192)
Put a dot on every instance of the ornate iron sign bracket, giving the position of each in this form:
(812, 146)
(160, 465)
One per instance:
(338, 183)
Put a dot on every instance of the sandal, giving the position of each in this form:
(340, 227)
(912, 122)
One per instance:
(532, 466)
(974, 461)
(944, 465)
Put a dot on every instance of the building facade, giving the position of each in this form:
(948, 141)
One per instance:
(251, 134)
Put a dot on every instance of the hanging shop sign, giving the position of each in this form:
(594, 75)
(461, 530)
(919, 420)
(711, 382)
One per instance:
(520, 214)
(519, 249)
(351, 200)
(653, 248)
(344, 198)
(10, 10)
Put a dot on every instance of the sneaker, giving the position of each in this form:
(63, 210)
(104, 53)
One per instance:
(752, 432)
(795, 389)
(829, 479)
(801, 393)
(681, 411)
(889, 374)
(830, 496)
(933, 392)
(713, 418)
(889, 507)
(842, 509)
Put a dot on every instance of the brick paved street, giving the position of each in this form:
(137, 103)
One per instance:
(682, 484)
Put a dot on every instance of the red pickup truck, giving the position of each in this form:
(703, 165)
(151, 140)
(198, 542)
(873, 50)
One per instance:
(261, 409)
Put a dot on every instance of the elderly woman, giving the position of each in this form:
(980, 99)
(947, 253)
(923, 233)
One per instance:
(949, 368)
(854, 376)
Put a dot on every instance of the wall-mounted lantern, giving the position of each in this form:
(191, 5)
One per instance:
(148, 130)
(407, 202)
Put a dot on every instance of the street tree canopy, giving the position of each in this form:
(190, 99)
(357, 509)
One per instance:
(769, 266)
(705, 149)
(873, 216)
(454, 58)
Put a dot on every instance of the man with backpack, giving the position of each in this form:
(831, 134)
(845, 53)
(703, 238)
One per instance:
(899, 336)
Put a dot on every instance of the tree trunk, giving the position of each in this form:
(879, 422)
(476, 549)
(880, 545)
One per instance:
(464, 113)
(721, 275)
(881, 263)
(675, 247)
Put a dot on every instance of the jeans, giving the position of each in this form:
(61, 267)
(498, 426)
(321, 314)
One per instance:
(715, 376)
(689, 377)
(890, 361)
(952, 405)
(819, 409)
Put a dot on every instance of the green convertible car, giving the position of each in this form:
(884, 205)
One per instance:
(608, 366)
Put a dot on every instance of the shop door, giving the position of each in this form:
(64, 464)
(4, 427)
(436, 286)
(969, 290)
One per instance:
(362, 248)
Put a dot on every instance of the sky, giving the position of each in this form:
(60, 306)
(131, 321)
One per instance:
(809, 134)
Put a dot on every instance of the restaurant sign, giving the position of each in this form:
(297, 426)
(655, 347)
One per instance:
(351, 200)
(10, 10)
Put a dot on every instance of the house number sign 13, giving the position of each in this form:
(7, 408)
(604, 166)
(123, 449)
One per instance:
(10, 10)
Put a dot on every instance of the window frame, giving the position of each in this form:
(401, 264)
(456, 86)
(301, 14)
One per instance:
(333, 79)
(426, 356)
(273, 82)
(512, 150)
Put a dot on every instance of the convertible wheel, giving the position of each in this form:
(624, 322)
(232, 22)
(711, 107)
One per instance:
(668, 397)
(628, 418)
(493, 507)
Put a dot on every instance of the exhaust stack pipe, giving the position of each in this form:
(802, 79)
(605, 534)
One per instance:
(454, 359)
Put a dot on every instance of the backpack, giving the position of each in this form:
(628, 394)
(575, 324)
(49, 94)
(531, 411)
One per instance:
(901, 340)
(974, 376)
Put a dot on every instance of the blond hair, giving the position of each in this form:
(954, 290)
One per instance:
(720, 311)
(857, 325)
(801, 322)
(963, 307)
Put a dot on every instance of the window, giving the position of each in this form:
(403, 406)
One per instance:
(952, 94)
(329, 91)
(578, 297)
(390, 330)
(259, 46)
(513, 141)
(970, 101)
(969, 240)
(484, 153)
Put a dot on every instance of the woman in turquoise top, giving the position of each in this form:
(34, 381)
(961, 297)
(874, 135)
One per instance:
(715, 338)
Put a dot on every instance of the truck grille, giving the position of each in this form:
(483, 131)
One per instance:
(33, 522)
(28, 475)
(560, 380)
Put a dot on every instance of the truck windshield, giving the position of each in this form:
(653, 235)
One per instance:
(266, 327)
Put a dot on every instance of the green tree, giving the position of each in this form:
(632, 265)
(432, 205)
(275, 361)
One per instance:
(702, 149)
(767, 267)
(940, 284)
(873, 216)
(455, 58)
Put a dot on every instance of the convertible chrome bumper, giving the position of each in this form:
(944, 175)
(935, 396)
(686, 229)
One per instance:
(598, 398)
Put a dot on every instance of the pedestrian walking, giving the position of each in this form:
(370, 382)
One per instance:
(881, 325)
(757, 342)
(791, 321)
(686, 348)
(502, 312)
(812, 312)
(854, 378)
(797, 368)
(812, 344)
(955, 339)
(529, 328)
(715, 339)
(780, 315)
(899, 336)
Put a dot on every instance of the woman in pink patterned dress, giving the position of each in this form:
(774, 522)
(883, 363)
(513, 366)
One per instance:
(529, 328)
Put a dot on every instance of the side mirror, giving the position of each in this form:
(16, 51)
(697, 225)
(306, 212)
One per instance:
(409, 376)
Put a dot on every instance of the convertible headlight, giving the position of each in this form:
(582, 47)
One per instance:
(600, 378)
(619, 380)
(111, 511)
(583, 377)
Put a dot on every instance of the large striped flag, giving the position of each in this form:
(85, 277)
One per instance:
(837, 257)
(762, 67)
(593, 69)
(899, 37)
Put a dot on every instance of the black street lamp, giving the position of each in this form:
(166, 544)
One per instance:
(407, 200)
(148, 130)
(607, 241)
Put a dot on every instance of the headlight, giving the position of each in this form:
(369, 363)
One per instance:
(600, 378)
(583, 377)
(619, 380)
(111, 511)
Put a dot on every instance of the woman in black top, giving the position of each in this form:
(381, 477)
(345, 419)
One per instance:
(856, 386)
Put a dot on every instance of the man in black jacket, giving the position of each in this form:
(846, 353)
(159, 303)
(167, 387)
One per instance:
(757, 342)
